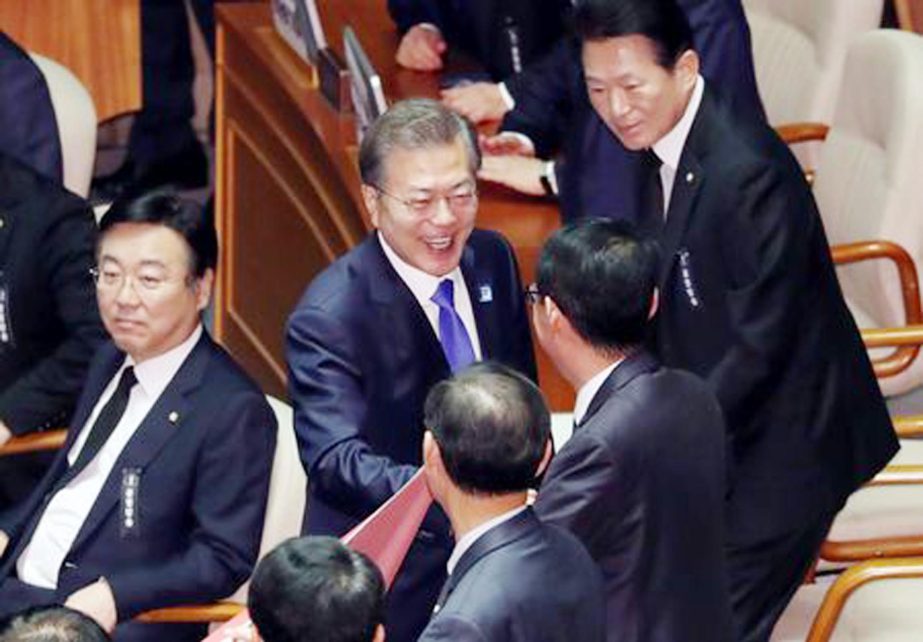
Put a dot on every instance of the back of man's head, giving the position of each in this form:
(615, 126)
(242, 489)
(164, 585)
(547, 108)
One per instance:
(661, 21)
(492, 428)
(185, 217)
(51, 624)
(315, 589)
(603, 280)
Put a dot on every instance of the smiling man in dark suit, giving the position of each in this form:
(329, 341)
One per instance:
(749, 299)
(158, 495)
(512, 578)
(641, 481)
(423, 296)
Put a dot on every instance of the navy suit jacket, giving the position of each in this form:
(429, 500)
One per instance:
(204, 454)
(749, 300)
(477, 26)
(597, 177)
(641, 483)
(28, 128)
(362, 357)
(521, 581)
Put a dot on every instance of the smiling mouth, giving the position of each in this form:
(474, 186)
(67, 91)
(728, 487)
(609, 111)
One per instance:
(438, 243)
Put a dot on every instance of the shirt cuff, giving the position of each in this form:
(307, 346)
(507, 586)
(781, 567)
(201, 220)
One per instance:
(507, 96)
(430, 26)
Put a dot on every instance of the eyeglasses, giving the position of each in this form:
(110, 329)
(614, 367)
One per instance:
(532, 294)
(111, 280)
(461, 202)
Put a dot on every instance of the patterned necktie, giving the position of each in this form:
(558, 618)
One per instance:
(651, 223)
(456, 344)
(105, 423)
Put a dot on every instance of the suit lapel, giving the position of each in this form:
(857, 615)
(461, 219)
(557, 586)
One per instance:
(158, 427)
(641, 362)
(497, 537)
(690, 177)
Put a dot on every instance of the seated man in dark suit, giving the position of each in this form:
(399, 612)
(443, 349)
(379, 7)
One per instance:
(502, 35)
(49, 323)
(641, 481)
(28, 128)
(424, 295)
(749, 299)
(51, 624)
(158, 495)
(315, 589)
(511, 577)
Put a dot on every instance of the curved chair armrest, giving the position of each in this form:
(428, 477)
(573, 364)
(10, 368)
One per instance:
(50, 440)
(907, 340)
(802, 132)
(215, 612)
(908, 426)
(851, 579)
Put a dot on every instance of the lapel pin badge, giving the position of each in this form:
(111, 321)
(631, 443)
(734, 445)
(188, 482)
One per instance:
(690, 177)
(485, 294)
(173, 417)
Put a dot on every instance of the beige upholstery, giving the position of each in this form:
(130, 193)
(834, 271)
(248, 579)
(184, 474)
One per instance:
(799, 48)
(287, 487)
(76, 119)
(880, 609)
(869, 182)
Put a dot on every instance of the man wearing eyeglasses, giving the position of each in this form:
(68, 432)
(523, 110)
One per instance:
(423, 296)
(158, 495)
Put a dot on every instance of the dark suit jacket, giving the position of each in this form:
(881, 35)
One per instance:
(750, 301)
(641, 483)
(201, 497)
(362, 357)
(597, 177)
(479, 26)
(47, 247)
(522, 581)
(28, 128)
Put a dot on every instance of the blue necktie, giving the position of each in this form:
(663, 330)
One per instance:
(452, 334)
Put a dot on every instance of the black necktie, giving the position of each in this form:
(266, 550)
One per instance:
(105, 423)
(651, 223)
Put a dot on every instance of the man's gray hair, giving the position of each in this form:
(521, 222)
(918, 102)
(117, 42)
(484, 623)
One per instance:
(418, 123)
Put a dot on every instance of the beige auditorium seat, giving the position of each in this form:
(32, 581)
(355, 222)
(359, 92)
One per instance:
(76, 119)
(878, 601)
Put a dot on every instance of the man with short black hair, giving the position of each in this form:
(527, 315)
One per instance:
(749, 299)
(641, 482)
(511, 577)
(315, 589)
(158, 495)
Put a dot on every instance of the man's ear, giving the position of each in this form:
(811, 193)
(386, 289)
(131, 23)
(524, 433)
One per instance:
(379, 634)
(203, 289)
(688, 66)
(370, 198)
(546, 458)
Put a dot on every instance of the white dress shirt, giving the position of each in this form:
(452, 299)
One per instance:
(589, 389)
(424, 285)
(669, 149)
(65, 514)
(475, 534)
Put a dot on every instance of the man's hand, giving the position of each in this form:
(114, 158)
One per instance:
(478, 102)
(96, 601)
(4, 540)
(506, 144)
(5, 433)
(516, 172)
(421, 49)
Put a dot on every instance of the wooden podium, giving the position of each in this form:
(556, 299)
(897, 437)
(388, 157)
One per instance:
(288, 200)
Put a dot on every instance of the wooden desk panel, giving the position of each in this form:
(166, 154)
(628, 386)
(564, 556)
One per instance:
(288, 200)
(99, 40)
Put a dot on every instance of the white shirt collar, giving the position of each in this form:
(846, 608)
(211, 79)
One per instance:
(466, 542)
(589, 389)
(155, 374)
(670, 147)
(422, 284)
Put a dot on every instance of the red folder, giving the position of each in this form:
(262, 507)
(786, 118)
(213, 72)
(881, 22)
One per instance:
(384, 536)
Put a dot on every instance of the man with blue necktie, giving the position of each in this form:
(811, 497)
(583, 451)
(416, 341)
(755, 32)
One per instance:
(422, 297)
